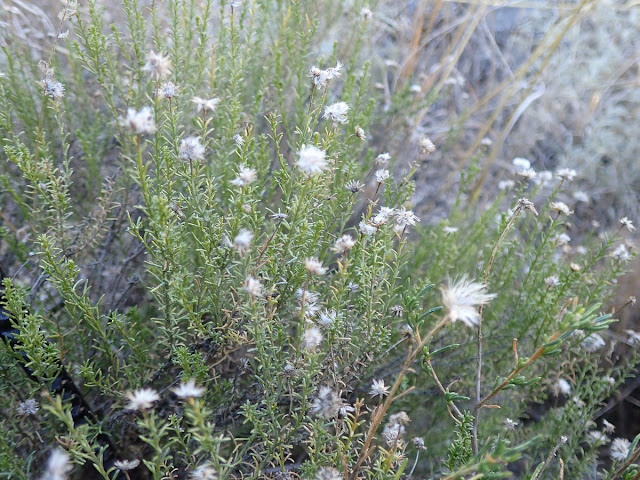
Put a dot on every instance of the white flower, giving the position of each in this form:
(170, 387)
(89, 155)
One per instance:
(366, 13)
(593, 343)
(427, 146)
(253, 286)
(205, 105)
(328, 473)
(567, 174)
(560, 207)
(506, 184)
(378, 388)
(242, 242)
(191, 149)
(461, 299)
(139, 122)
(336, 112)
(206, 471)
(521, 163)
(245, 176)
(343, 244)
(552, 281)
(382, 216)
(625, 222)
(544, 178)
(581, 197)
(354, 186)
(312, 338)
(311, 160)
(189, 389)
(594, 437)
(510, 424)
(52, 88)
(142, 399)
(563, 239)
(158, 65)
(528, 173)
(405, 217)
(28, 407)
(382, 175)
(366, 229)
(450, 230)
(561, 387)
(314, 266)
(126, 465)
(621, 253)
(620, 449)
(58, 465)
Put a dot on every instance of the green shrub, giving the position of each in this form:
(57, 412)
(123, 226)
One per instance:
(202, 225)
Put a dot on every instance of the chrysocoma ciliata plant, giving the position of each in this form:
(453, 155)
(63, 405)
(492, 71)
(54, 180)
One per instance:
(202, 225)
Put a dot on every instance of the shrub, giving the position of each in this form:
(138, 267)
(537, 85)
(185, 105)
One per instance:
(216, 270)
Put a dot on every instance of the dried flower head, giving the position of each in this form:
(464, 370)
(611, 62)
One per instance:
(326, 404)
(461, 299)
(322, 78)
(157, 65)
(328, 473)
(168, 90)
(246, 176)
(594, 437)
(343, 244)
(242, 241)
(560, 207)
(382, 175)
(366, 13)
(383, 159)
(567, 174)
(189, 389)
(52, 88)
(581, 196)
(608, 427)
(314, 266)
(562, 387)
(191, 149)
(70, 8)
(205, 105)
(382, 216)
(253, 286)
(28, 407)
(126, 465)
(367, 229)
(327, 318)
(427, 146)
(592, 343)
(620, 449)
(360, 133)
(552, 281)
(311, 160)
(405, 217)
(336, 112)
(142, 399)
(311, 338)
(206, 471)
(58, 465)
(139, 122)
(621, 253)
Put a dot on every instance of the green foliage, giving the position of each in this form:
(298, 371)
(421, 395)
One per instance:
(214, 247)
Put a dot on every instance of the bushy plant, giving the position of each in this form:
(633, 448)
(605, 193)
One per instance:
(214, 268)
